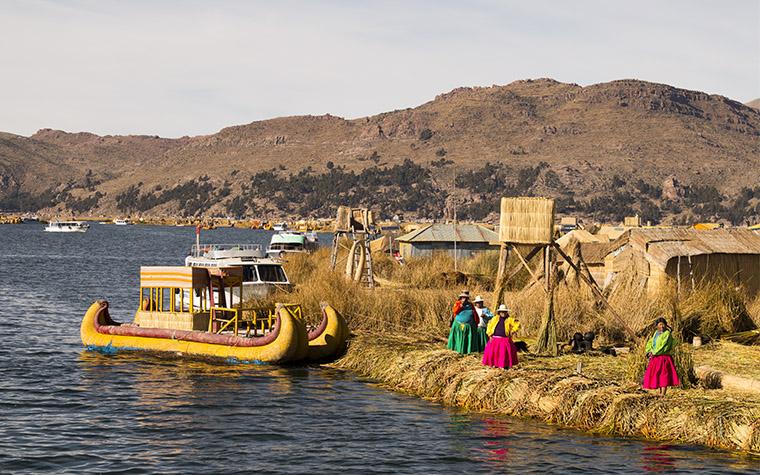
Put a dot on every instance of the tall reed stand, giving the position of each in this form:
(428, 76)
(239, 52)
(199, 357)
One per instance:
(547, 335)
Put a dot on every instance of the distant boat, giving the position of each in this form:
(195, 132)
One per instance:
(67, 227)
(291, 241)
(121, 222)
(280, 227)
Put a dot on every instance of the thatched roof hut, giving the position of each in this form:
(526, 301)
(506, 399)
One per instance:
(687, 256)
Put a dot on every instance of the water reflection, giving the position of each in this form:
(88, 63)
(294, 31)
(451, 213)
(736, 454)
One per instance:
(496, 432)
(656, 459)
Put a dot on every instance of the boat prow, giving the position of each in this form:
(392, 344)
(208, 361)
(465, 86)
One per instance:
(328, 340)
(285, 342)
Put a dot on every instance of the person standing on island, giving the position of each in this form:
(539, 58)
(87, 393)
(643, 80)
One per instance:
(463, 335)
(485, 316)
(661, 370)
(501, 351)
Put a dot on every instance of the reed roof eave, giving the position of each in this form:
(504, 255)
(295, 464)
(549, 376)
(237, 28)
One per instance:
(661, 245)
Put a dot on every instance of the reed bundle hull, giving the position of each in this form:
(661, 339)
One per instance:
(289, 340)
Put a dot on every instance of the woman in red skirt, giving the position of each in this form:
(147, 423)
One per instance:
(501, 351)
(661, 371)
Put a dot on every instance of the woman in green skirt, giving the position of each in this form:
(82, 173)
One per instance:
(463, 337)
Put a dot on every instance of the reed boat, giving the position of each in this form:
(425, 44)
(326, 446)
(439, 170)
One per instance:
(184, 310)
(329, 338)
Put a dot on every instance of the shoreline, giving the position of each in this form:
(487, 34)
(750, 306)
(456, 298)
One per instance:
(550, 390)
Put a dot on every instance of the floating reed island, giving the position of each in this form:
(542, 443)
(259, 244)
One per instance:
(399, 331)
(599, 398)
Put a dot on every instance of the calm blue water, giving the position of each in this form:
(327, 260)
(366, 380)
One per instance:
(66, 410)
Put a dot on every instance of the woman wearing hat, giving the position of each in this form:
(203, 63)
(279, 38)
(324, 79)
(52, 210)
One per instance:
(463, 337)
(501, 351)
(485, 316)
(661, 371)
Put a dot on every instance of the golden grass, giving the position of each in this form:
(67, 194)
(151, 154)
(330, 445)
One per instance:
(753, 309)
(399, 335)
(732, 358)
(599, 400)
(421, 307)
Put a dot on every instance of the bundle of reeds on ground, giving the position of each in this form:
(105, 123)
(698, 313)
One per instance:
(599, 400)
(399, 338)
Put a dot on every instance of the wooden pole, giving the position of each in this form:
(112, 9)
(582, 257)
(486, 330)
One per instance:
(530, 271)
(595, 289)
(547, 335)
(501, 277)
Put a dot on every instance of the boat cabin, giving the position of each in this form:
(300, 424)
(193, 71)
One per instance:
(197, 299)
(261, 275)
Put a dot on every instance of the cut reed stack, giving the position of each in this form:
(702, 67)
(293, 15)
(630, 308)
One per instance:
(549, 389)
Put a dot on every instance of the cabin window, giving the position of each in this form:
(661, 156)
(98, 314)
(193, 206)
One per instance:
(166, 300)
(186, 299)
(271, 273)
(145, 298)
(249, 274)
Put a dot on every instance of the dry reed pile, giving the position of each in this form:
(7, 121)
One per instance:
(606, 398)
(600, 400)
(710, 310)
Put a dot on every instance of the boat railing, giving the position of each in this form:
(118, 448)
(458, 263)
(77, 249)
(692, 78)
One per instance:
(222, 318)
(199, 251)
(256, 319)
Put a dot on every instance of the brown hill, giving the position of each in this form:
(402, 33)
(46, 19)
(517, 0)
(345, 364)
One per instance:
(755, 104)
(616, 141)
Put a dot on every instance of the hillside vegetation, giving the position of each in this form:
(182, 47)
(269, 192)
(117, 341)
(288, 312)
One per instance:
(604, 151)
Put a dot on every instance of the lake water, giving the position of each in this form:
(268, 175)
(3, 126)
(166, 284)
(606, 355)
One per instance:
(67, 410)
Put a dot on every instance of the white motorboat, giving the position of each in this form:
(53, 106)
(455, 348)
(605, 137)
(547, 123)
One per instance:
(122, 222)
(67, 227)
(262, 275)
(292, 241)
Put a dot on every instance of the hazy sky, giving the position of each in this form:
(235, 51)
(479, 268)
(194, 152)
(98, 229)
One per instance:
(177, 68)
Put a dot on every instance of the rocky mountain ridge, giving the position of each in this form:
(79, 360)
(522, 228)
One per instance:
(601, 150)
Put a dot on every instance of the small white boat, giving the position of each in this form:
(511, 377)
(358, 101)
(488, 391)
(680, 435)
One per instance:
(292, 241)
(121, 222)
(67, 227)
(280, 227)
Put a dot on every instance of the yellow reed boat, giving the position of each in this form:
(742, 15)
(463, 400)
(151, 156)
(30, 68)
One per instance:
(184, 310)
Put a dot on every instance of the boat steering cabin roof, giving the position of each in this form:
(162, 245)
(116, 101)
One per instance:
(288, 238)
(185, 277)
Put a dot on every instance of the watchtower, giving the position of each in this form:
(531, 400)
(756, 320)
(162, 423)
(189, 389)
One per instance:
(354, 229)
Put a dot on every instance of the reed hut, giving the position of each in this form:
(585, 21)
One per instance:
(687, 256)
(457, 240)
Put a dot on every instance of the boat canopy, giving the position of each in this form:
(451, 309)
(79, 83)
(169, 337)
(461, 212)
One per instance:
(180, 277)
(288, 238)
(184, 277)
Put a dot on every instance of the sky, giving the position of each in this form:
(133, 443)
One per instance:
(175, 68)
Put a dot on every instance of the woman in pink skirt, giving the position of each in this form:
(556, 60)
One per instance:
(501, 351)
(661, 371)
